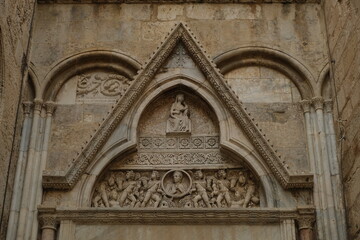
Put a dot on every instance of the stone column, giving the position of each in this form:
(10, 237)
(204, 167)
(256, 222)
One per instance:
(315, 163)
(306, 106)
(329, 194)
(287, 230)
(48, 228)
(334, 165)
(31, 166)
(20, 172)
(49, 109)
(306, 228)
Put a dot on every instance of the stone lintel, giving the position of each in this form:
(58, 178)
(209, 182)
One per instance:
(171, 216)
(178, 1)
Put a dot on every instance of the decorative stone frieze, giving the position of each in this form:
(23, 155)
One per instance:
(179, 142)
(178, 1)
(173, 159)
(178, 188)
(97, 86)
(172, 215)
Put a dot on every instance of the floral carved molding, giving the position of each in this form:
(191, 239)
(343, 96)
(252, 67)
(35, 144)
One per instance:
(66, 180)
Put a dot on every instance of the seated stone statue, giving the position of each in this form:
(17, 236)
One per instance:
(179, 116)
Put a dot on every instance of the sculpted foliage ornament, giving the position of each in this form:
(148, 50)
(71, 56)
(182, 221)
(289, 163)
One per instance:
(99, 84)
(177, 188)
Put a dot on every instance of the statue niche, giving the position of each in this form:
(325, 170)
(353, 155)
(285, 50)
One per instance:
(179, 121)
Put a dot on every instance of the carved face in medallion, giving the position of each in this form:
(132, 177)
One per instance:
(176, 183)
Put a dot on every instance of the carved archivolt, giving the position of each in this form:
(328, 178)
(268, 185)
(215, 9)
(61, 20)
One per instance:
(177, 188)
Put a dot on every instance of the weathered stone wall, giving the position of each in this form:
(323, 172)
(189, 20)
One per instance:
(343, 27)
(62, 30)
(15, 25)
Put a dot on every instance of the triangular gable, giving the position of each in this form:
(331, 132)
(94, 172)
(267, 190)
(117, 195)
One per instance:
(180, 33)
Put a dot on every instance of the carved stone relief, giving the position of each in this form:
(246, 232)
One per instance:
(179, 142)
(179, 119)
(100, 86)
(173, 170)
(179, 59)
(178, 188)
(171, 159)
(167, 116)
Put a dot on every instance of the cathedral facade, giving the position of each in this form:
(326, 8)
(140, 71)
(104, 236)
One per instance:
(134, 119)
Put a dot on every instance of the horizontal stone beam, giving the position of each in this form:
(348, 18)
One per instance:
(179, 1)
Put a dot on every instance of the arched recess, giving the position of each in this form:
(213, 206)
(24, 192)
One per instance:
(32, 86)
(120, 148)
(271, 58)
(325, 88)
(78, 63)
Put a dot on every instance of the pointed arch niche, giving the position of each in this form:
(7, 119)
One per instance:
(191, 145)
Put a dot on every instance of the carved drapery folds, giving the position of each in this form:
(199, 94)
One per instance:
(179, 121)
(178, 188)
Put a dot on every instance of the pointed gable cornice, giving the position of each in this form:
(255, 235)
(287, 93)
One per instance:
(66, 180)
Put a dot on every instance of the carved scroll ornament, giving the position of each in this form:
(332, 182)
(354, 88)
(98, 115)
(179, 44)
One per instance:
(99, 84)
(177, 188)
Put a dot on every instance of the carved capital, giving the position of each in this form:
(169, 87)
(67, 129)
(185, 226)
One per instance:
(305, 105)
(318, 103)
(50, 107)
(27, 106)
(306, 222)
(48, 222)
(328, 105)
(38, 104)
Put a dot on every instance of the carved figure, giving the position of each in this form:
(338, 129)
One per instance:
(153, 191)
(250, 194)
(101, 192)
(199, 186)
(245, 190)
(179, 116)
(176, 187)
(222, 189)
(235, 188)
(129, 186)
